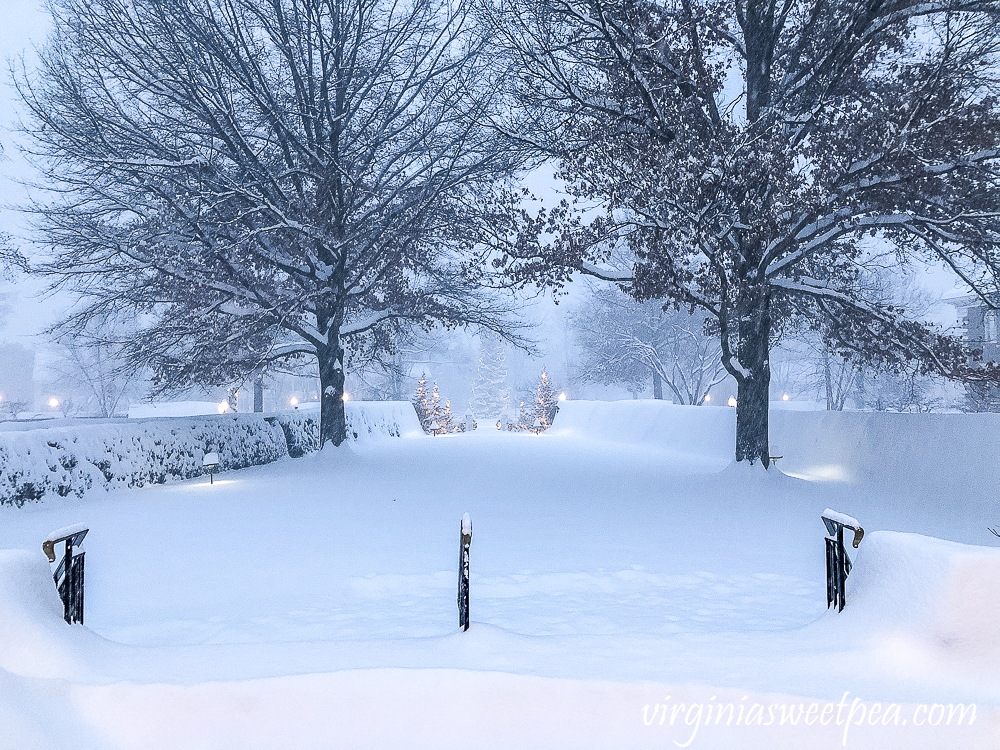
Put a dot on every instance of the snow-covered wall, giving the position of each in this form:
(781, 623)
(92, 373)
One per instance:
(707, 431)
(74, 458)
(887, 449)
(874, 448)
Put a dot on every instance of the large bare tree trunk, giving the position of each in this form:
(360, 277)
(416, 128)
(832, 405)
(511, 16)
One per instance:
(753, 387)
(333, 415)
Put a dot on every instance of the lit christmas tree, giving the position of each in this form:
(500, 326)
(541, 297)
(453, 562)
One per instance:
(424, 404)
(444, 417)
(490, 397)
(546, 404)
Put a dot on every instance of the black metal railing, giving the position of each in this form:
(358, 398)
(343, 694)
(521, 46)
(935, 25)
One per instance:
(465, 542)
(838, 564)
(69, 573)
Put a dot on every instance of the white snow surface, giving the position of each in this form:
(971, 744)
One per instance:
(621, 567)
(173, 409)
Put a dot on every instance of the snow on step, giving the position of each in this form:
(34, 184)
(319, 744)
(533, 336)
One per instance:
(66, 531)
(842, 518)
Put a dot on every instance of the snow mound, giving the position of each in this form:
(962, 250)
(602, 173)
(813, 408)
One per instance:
(373, 420)
(32, 630)
(701, 430)
(946, 594)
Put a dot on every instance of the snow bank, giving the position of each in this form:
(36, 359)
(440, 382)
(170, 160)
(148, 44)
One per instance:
(32, 629)
(704, 430)
(944, 593)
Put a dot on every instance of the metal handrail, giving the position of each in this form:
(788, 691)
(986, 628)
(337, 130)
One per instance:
(68, 576)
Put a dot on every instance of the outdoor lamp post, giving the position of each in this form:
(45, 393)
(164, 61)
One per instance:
(211, 461)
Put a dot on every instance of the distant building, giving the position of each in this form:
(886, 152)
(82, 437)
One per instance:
(17, 380)
(980, 328)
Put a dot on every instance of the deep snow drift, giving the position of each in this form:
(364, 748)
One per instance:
(617, 561)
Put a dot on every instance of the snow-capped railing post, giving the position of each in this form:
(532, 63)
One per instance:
(463, 572)
(69, 574)
(838, 564)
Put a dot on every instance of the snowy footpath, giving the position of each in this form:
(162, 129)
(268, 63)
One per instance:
(630, 589)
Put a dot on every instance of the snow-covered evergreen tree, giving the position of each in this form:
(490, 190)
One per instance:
(490, 397)
(425, 404)
(444, 421)
(546, 404)
(434, 411)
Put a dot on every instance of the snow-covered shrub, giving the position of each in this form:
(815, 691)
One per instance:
(375, 419)
(365, 420)
(301, 431)
(71, 460)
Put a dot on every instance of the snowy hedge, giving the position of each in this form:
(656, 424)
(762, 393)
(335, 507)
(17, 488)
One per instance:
(73, 458)
(365, 421)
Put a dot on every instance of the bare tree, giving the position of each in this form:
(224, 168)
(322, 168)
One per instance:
(93, 367)
(625, 341)
(262, 180)
(854, 118)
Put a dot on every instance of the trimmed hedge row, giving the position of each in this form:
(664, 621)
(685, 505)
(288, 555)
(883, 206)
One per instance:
(72, 459)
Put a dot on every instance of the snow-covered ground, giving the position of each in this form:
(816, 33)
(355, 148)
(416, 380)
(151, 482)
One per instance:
(628, 584)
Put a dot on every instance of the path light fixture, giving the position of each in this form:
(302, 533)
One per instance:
(294, 402)
(53, 403)
(732, 401)
(784, 397)
(708, 397)
(223, 407)
(562, 396)
(537, 426)
(346, 397)
(434, 427)
(211, 462)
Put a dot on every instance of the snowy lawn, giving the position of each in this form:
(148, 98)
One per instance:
(311, 602)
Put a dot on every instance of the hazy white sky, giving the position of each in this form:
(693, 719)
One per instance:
(23, 311)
